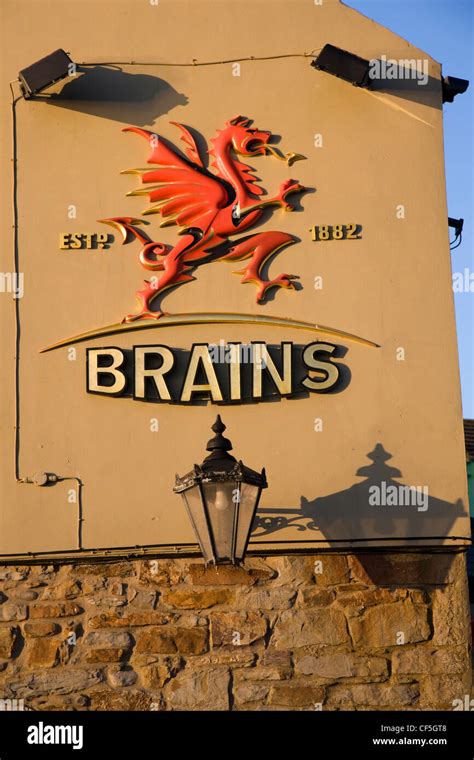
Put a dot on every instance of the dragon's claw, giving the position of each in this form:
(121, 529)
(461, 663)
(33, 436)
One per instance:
(285, 281)
(282, 281)
(144, 315)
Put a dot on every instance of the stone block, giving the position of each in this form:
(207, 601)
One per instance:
(129, 619)
(441, 691)
(451, 619)
(250, 692)
(111, 700)
(401, 569)
(266, 598)
(22, 594)
(106, 569)
(227, 575)
(343, 665)
(382, 625)
(373, 696)
(296, 695)
(330, 569)
(313, 596)
(58, 610)
(237, 628)
(102, 639)
(121, 675)
(170, 640)
(199, 690)
(43, 653)
(10, 612)
(156, 675)
(233, 657)
(107, 654)
(191, 641)
(193, 599)
(292, 570)
(162, 572)
(430, 661)
(40, 629)
(57, 681)
(146, 600)
(8, 637)
(314, 626)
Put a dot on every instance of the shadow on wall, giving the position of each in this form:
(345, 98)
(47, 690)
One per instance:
(110, 93)
(379, 506)
(411, 85)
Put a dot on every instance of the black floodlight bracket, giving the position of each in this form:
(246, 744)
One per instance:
(44, 73)
(456, 224)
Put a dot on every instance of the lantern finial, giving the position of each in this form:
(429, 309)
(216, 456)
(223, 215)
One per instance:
(218, 445)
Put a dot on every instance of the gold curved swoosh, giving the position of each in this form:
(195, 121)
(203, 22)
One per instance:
(207, 318)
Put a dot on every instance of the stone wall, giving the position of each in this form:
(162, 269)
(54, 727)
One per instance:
(331, 632)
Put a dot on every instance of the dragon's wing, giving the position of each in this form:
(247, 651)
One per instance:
(181, 190)
(192, 151)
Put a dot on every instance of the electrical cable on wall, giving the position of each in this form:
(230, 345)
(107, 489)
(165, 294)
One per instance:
(44, 478)
(457, 225)
(195, 62)
(457, 240)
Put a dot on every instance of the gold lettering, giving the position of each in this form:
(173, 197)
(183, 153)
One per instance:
(200, 357)
(330, 370)
(234, 371)
(167, 362)
(76, 241)
(262, 361)
(93, 371)
(64, 240)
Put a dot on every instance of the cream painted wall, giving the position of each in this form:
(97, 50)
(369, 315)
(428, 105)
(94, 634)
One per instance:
(379, 150)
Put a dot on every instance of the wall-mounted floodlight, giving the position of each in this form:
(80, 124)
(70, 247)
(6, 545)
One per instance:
(456, 224)
(453, 86)
(344, 65)
(45, 72)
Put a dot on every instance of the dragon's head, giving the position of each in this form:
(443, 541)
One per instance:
(248, 141)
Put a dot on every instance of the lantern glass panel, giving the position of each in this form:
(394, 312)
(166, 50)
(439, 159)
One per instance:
(221, 510)
(248, 497)
(196, 511)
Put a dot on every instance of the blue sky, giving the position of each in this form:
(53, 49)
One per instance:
(445, 30)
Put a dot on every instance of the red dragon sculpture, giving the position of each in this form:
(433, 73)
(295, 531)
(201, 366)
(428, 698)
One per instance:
(210, 206)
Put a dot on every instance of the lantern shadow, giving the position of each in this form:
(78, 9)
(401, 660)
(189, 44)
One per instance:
(377, 508)
(110, 93)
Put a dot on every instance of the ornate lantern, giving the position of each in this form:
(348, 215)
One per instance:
(221, 497)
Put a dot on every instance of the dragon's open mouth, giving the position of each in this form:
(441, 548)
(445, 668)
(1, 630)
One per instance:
(256, 147)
